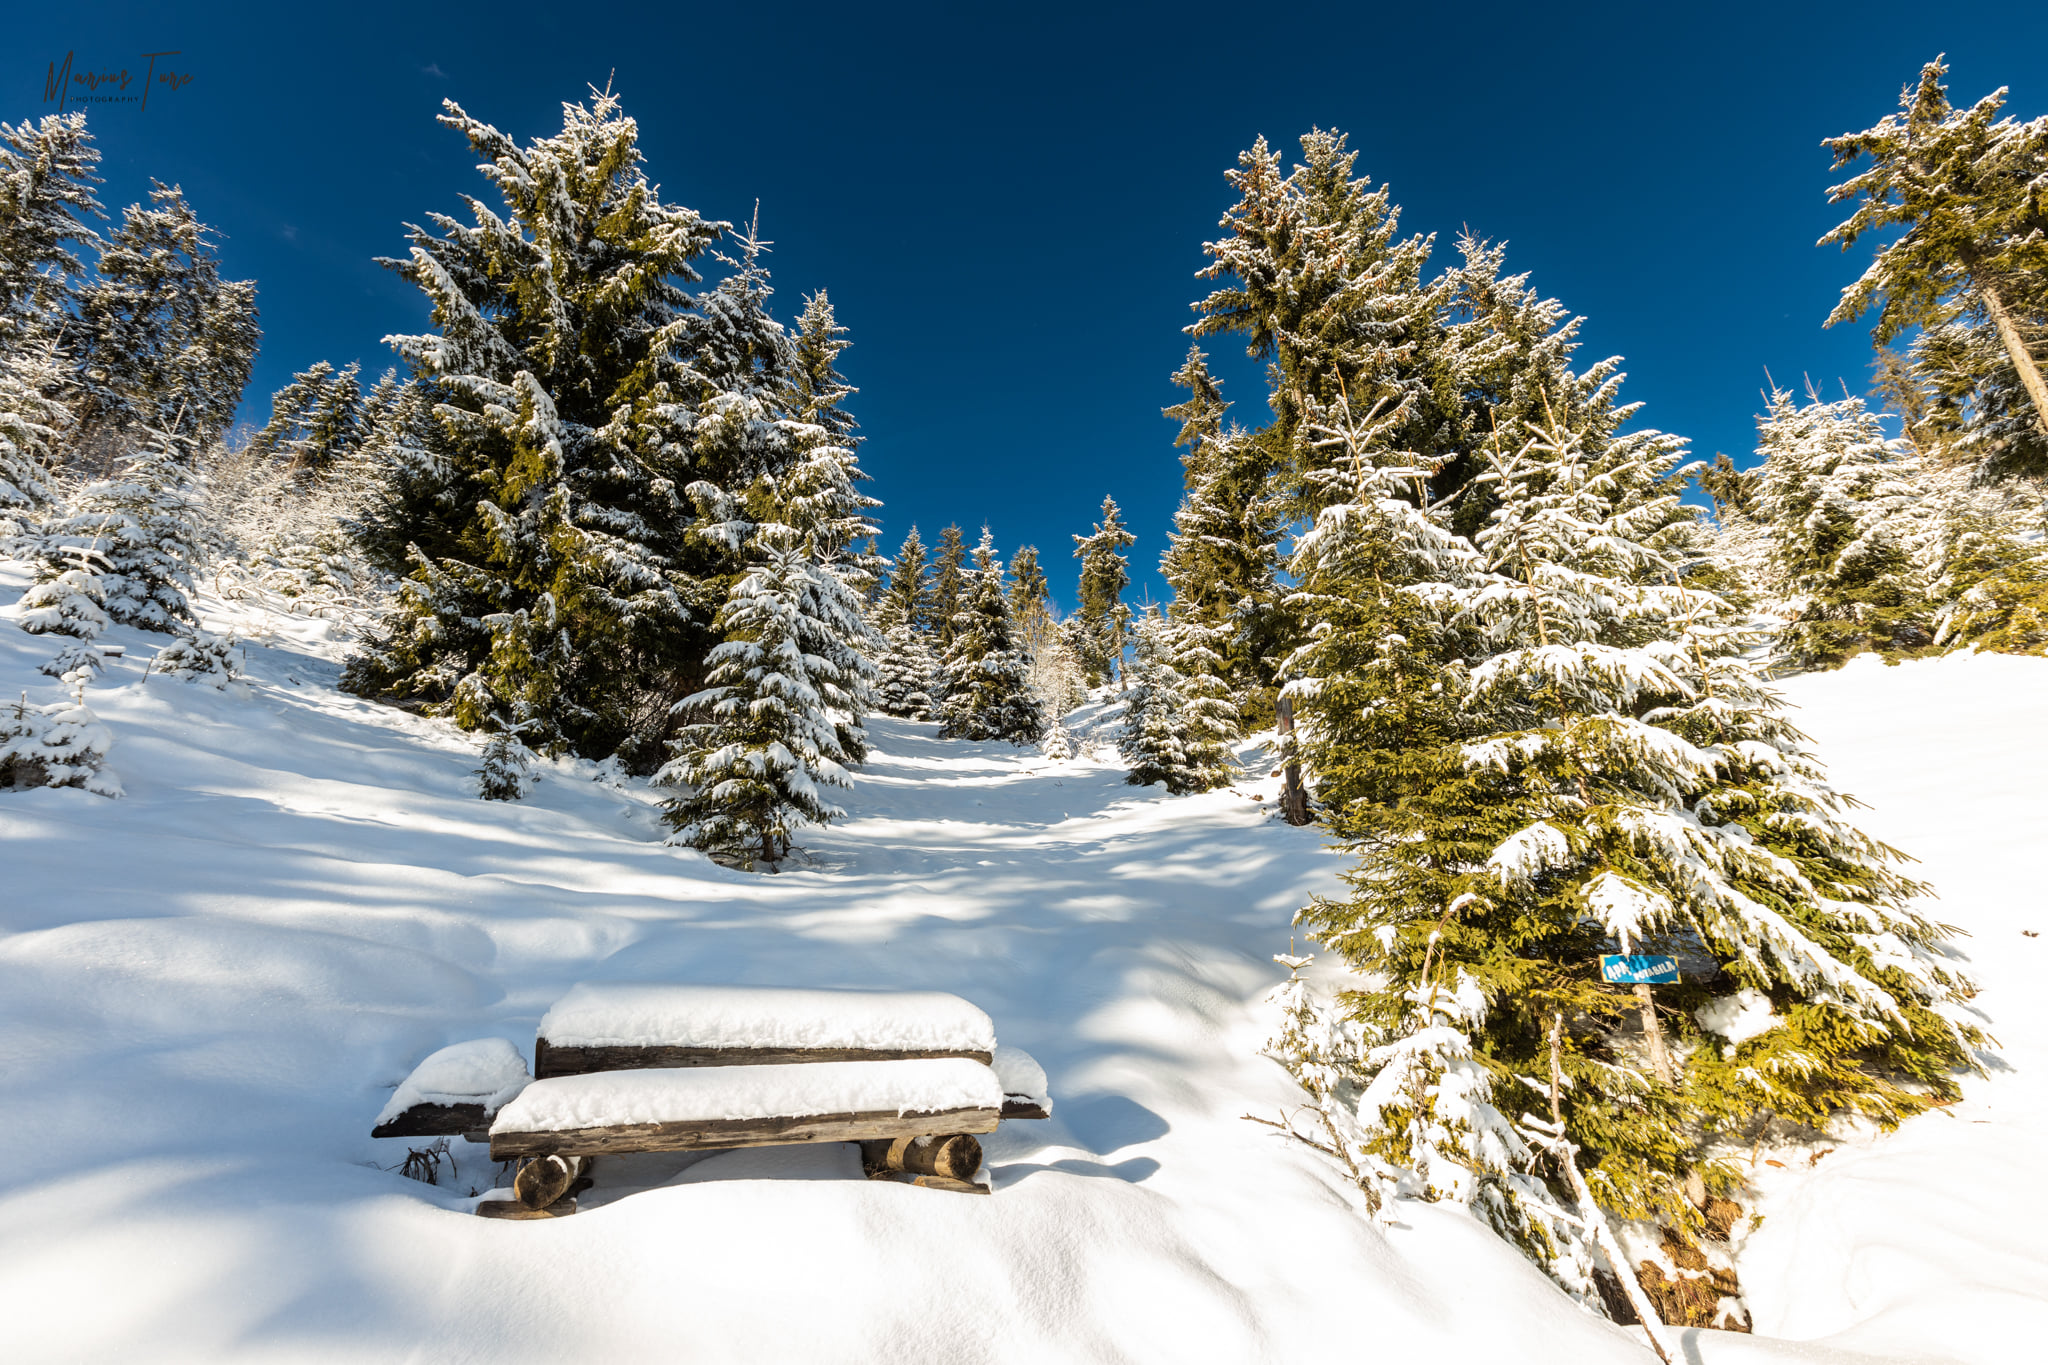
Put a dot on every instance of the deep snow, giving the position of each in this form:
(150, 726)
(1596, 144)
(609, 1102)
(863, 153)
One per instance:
(209, 988)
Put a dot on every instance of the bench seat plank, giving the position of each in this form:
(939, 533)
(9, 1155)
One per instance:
(682, 1108)
(555, 1059)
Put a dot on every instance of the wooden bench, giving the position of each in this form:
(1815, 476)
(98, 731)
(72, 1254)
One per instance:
(911, 1076)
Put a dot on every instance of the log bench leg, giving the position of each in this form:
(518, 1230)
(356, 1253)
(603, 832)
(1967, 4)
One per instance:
(946, 1161)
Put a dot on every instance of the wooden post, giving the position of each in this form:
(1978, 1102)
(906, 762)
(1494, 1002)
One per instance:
(1653, 1035)
(955, 1156)
(1595, 1218)
(1293, 796)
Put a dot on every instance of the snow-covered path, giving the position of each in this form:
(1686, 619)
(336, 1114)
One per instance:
(208, 988)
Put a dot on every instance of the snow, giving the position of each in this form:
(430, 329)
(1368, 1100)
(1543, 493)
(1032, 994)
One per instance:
(695, 1094)
(486, 1071)
(640, 1014)
(210, 986)
(1019, 1073)
(1738, 1017)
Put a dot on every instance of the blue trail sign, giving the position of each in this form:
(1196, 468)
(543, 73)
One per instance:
(1638, 969)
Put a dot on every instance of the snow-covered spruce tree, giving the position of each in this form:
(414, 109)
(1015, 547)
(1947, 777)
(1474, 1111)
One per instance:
(948, 586)
(141, 528)
(1373, 681)
(317, 421)
(1957, 195)
(66, 601)
(904, 675)
(1058, 745)
(764, 743)
(1222, 552)
(563, 582)
(987, 679)
(56, 746)
(1616, 777)
(906, 597)
(1176, 730)
(1104, 620)
(46, 197)
(1409, 1107)
(164, 343)
(1841, 499)
(1989, 575)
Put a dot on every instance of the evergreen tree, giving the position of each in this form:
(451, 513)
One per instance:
(318, 420)
(574, 514)
(68, 601)
(32, 425)
(987, 678)
(47, 174)
(1838, 496)
(764, 744)
(949, 586)
(1957, 195)
(903, 681)
(906, 600)
(1222, 551)
(1173, 732)
(56, 746)
(1105, 621)
(141, 527)
(166, 345)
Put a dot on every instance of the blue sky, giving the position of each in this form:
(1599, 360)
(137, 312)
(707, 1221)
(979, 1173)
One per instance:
(1007, 204)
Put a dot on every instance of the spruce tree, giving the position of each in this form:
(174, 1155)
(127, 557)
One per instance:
(1105, 621)
(986, 677)
(165, 344)
(906, 600)
(764, 744)
(573, 512)
(1957, 195)
(1222, 553)
(47, 174)
(317, 421)
(949, 586)
(1173, 733)
(141, 527)
(903, 679)
(1839, 497)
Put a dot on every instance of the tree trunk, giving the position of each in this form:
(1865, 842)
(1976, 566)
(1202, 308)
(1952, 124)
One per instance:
(2016, 347)
(1653, 1035)
(543, 1180)
(1293, 795)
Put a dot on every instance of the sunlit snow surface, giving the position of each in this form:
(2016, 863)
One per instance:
(209, 988)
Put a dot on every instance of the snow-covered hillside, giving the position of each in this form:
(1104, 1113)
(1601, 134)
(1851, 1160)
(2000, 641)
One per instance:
(209, 988)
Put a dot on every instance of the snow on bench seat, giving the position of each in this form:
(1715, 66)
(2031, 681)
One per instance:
(455, 1090)
(617, 1026)
(674, 1109)
(1025, 1093)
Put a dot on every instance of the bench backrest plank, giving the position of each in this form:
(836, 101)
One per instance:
(698, 1134)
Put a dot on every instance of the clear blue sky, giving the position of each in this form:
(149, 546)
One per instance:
(1007, 204)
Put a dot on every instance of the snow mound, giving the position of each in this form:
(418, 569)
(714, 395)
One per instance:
(695, 1094)
(635, 1015)
(487, 1071)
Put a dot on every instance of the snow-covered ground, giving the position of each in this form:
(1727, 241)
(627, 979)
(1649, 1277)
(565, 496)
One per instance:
(209, 988)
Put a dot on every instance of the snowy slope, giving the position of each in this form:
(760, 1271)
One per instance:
(209, 988)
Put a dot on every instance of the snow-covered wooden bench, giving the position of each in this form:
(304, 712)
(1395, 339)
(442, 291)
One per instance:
(912, 1076)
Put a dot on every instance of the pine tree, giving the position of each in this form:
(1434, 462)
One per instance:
(1105, 621)
(166, 345)
(1962, 189)
(987, 679)
(32, 425)
(68, 601)
(1838, 495)
(764, 744)
(56, 746)
(574, 514)
(1173, 732)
